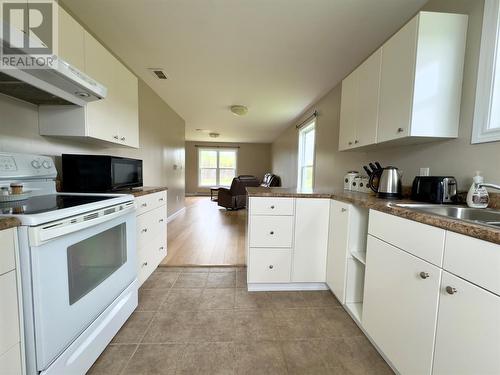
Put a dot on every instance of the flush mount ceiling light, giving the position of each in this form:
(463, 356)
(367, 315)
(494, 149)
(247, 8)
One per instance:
(213, 135)
(239, 110)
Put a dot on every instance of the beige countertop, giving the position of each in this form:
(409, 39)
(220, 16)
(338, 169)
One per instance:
(388, 206)
(8, 222)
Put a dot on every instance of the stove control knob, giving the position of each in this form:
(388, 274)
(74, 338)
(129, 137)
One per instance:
(36, 164)
(47, 164)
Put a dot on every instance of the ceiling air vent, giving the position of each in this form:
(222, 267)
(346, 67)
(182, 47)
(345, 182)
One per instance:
(158, 73)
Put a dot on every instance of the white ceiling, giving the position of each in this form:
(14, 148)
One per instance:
(275, 56)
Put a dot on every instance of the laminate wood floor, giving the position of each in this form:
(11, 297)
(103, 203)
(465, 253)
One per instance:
(205, 234)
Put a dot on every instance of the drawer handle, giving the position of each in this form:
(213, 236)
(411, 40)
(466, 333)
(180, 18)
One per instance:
(161, 200)
(271, 233)
(450, 290)
(160, 221)
(272, 207)
(123, 139)
(349, 143)
(144, 264)
(144, 205)
(161, 248)
(115, 137)
(424, 275)
(144, 230)
(271, 266)
(343, 209)
(400, 130)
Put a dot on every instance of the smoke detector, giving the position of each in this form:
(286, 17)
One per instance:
(213, 135)
(158, 73)
(239, 110)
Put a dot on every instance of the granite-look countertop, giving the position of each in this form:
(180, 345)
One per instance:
(370, 201)
(145, 190)
(9, 222)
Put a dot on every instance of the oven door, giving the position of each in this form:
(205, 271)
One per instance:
(76, 276)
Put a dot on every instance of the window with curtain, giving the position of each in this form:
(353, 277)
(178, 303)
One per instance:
(486, 126)
(305, 171)
(216, 167)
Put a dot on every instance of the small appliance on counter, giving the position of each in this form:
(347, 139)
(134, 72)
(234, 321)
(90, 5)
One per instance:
(349, 180)
(434, 189)
(100, 173)
(390, 184)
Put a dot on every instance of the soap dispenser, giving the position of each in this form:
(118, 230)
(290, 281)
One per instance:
(477, 197)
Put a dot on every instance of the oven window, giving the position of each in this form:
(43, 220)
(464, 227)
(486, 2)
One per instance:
(94, 259)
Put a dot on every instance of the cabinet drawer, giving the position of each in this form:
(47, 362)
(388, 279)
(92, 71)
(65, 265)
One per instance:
(271, 231)
(150, 225)
(149, 202)
(474, 260)
(272, 206)
(421, 240)
(150, 256)
(9, 314)
(10, 362)
(269, 265)
(7, 257)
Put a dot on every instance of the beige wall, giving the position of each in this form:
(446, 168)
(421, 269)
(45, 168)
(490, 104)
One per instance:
(253, 159)
(161, 141)
(454, 157)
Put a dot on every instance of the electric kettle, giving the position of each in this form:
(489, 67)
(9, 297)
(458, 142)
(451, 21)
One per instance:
(389, 183)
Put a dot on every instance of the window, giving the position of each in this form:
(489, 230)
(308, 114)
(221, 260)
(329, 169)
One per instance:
(216, 167)
(487, 111)
(306, 157)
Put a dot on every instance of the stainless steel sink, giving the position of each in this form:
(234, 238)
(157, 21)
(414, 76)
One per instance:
(486, 216)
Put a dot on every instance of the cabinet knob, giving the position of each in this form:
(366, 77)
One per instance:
(424, 275)
(271, 232)
(123, 139)
(356, 142)
(161, 248)
(115, 137)
(271, 266)
(272, 207)
(144, 205)
(349, 143)
(144, 264)
(160, 221)
(343, 210)
(161, 200)
(144, 230)
(400, 130)
(450, 290)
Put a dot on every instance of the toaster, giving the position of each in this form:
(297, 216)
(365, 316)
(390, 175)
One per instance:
(434, 189)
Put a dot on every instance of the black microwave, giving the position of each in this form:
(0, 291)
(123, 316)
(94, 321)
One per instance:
(100, 173)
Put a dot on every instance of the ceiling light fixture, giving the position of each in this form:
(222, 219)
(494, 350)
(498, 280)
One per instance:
(239, 110)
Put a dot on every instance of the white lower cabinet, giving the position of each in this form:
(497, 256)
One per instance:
(151, 233)
(468, 330)
(269, 265)
(400, 306)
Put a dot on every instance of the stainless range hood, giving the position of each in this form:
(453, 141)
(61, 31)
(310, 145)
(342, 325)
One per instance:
(60, 84)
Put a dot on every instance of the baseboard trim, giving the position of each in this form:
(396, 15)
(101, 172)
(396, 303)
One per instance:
(175, 214)
(276, 287)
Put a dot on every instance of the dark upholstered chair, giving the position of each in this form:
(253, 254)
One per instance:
(236, 196)
(271, 180)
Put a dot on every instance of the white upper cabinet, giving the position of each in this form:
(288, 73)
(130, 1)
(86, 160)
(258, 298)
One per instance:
(114, 119)
(348, 111)
(417, 89)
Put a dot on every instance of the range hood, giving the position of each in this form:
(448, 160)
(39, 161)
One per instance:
(56, 84)
(60, 84)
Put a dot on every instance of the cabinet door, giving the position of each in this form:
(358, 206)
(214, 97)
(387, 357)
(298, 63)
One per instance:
(396, 83)
(127, 114)
(348, 113)
(400, 306)
(337, 249)
(468, 330)
(101, 115)
(368, 100)
(71, 41)
(311, 240)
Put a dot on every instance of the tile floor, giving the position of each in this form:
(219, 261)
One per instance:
(203, 321)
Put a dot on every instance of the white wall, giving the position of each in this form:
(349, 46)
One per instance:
(452, 157)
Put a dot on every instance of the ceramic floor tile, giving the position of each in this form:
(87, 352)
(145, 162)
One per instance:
(162, 268)
(320, 298)
(112, 360)
(252, 300)
(170, 326)
(241, 278)
(303, 358)
(134, 328)
(160, 280)
(213, 326)
(154, 359)
(183, 299)
(151, 299)
(212, 299)
(280, 300)
(192, 280)
(221, 280)
(255, 325)
(195, 269)
(297, 324)
(207, 358)
(259, 357)
(222, 269)
(335, 322)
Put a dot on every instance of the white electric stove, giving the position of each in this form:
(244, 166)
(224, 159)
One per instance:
(78, 266)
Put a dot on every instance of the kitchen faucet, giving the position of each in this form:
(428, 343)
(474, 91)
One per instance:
(491, 186)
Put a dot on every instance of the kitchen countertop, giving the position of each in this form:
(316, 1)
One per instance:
(145, 190)
(388, 206)
(9, 222)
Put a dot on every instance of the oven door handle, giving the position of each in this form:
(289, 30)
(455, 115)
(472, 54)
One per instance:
(45, 233)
